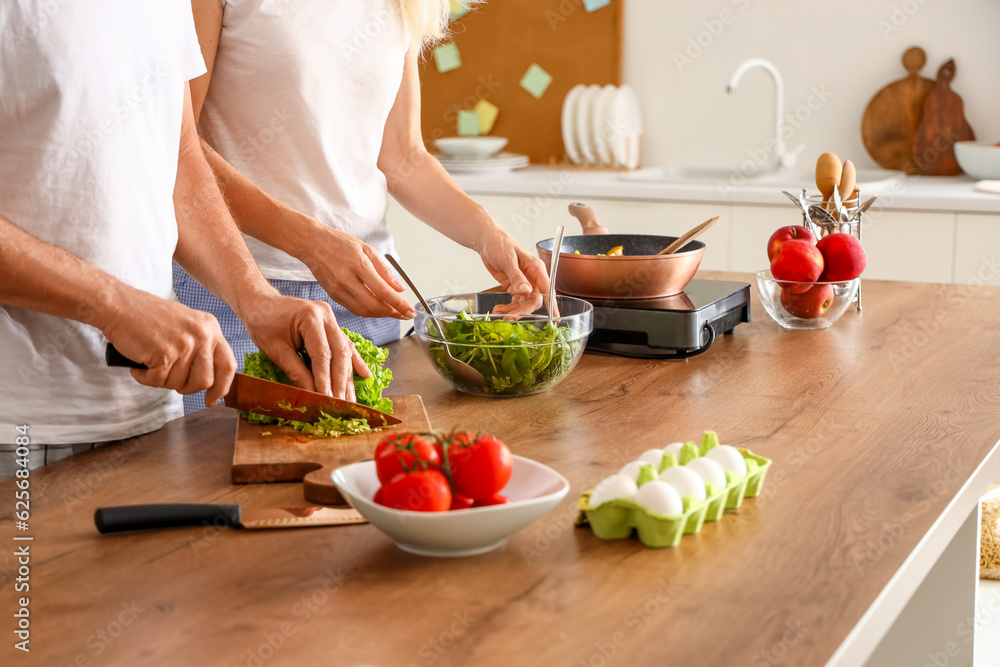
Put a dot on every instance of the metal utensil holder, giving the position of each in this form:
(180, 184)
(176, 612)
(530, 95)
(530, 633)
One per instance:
(821, 228)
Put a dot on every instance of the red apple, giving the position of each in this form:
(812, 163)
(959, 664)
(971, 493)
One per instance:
(787, 234)
(843, 257)
(810, 304)
(797, 261)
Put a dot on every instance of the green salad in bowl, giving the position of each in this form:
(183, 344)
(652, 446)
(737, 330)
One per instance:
(517, 348)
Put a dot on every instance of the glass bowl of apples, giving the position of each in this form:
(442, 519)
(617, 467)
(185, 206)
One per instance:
(805, 305)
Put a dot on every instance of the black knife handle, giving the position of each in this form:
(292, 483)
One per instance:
(116, 359)
(146, 517)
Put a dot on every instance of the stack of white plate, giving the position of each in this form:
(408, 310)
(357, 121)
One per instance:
(602, 127)
(477, 155)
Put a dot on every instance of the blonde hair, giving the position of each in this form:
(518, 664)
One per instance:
(425, 20)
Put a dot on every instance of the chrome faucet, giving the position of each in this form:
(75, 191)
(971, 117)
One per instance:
(782, 159)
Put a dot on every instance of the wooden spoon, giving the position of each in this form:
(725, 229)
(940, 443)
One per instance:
(828, 172)
(848, 179)
(682, 240)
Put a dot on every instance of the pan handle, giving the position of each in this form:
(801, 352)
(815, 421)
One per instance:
(588, 219)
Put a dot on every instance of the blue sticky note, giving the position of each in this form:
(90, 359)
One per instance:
(594, 5)
(536, 81)
(468, 124)
(447, 57)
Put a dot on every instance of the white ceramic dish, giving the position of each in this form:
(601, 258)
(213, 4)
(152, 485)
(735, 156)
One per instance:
(470, 147)
(504, 162)
(569, 123)
(584, 123)
(627, 111)
(534, 489)
(601, 129)
(978, 160)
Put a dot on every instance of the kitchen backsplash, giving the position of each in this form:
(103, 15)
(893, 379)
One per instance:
(833, 58)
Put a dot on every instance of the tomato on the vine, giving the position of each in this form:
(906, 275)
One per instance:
(480, 466)
(419, 491)
(403, 452)
(494, 500)
(459, 502)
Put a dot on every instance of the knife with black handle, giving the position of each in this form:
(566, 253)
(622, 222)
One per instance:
(116, 359)
(156, 517)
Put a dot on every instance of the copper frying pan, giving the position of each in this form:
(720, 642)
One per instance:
(639, 274)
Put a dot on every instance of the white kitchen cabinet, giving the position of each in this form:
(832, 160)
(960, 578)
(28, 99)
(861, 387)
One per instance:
(921, 246)
(977, 249)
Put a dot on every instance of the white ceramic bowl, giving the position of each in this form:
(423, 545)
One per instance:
(470, 147)
(978, 160)
(534, 489)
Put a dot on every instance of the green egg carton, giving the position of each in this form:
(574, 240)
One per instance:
(616, 519)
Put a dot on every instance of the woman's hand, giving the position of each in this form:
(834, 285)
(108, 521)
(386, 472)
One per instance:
(510, 263)
(354, 275)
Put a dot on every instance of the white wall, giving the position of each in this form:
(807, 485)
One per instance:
(852, 48)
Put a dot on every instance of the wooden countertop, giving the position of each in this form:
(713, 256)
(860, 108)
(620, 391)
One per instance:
(875, 426)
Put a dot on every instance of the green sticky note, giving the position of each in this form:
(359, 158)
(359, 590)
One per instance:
(488, 113)
(594, 5)
(447, 57)
(456, 9)
(536, 80)
(468, 124)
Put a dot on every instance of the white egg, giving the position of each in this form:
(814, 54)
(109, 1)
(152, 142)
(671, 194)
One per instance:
(660, 498)
(729, 458)
(686, 481)
(675, 449)
(709, 471)
(631, 469)
(612, 488)
(653, 457)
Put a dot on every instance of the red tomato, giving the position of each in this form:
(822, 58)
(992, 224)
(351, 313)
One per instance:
(495, 500)
(460, 502)
(420, 491)
(403, 452)
(480, 467)
(377, 498)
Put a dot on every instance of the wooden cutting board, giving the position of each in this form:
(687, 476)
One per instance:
(891, 119)
(942, 124)
(288, 456)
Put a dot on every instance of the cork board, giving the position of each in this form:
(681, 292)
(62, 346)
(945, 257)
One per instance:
(498, 42)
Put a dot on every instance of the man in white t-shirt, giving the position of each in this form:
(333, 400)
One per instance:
(102, 184)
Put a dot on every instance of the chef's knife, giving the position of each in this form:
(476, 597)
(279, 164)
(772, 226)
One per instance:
(154, 517)
(274, 399)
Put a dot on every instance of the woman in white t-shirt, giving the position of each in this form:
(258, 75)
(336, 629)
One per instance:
(309, 114)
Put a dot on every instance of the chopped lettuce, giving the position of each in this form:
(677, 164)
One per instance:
(368, 390)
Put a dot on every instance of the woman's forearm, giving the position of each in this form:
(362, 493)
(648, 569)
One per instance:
(257, 213)
(424, 188)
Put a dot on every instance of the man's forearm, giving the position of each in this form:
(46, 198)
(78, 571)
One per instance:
(209, 245)
(42, 277)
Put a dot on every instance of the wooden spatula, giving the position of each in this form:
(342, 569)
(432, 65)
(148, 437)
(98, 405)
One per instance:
(682, 241)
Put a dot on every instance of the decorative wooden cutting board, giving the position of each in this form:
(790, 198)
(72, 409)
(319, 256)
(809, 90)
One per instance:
(943, 123)
(288, 456)
(891, 120)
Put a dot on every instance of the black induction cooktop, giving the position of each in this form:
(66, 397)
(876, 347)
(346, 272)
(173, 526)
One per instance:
(672, 327)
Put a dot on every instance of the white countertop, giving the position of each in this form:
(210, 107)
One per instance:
(922, 193)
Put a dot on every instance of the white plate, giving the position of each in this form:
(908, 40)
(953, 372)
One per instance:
(584, 114)
(569, 123)
(600, 128)
(618, 122)
(627, 105)
(470, 147)
(534, 489)
(501, 161)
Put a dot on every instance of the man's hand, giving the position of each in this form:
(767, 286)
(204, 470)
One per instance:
(516, 269)
(354, 275)
(183, 349)
(281, 325)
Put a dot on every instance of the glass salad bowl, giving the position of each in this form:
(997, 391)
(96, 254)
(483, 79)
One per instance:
(510, 340)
